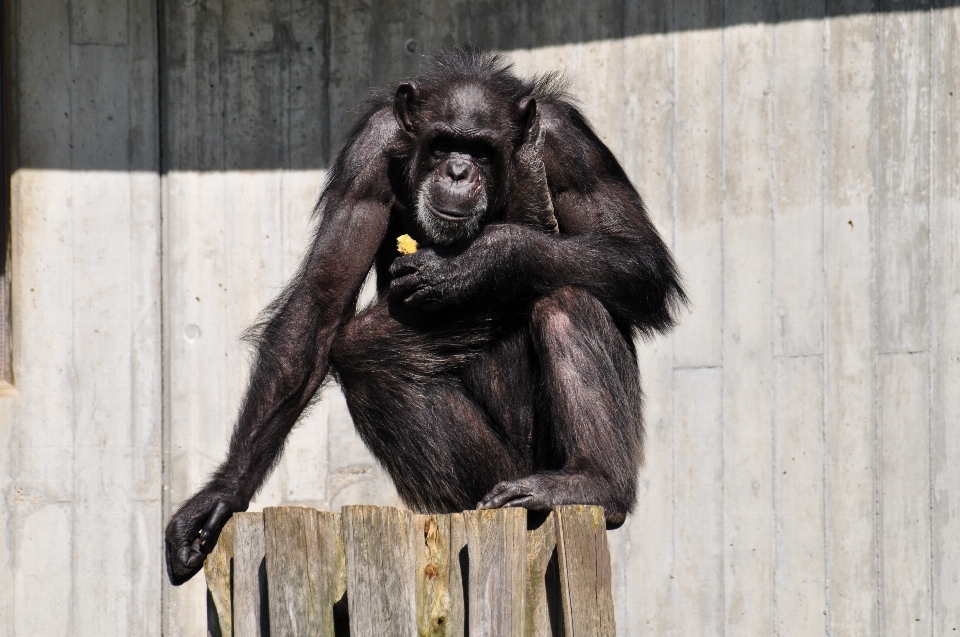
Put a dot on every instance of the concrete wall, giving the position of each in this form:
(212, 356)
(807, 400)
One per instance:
(802, 159)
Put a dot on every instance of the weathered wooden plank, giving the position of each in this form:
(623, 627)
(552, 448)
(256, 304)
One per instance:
(748, 535)
(249, 577)
(799, 573)
(497, 557)
(945, 302)
(458, 582)
(306, 572)
(698, 498)
(431, 545)
(544, 607)
(698, 159)
(584, 561)
(217, 571)
(380, 563)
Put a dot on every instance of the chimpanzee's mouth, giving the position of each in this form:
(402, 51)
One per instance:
(455, 216)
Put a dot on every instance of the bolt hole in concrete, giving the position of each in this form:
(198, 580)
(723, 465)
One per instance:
(191, 332)
(411, 45)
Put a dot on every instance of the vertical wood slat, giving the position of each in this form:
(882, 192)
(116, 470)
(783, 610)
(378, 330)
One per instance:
(431, 542)
(217, 570)
(544, 605)
(378, 543)
(249, 577)
(458, 577)
(306, 572)
(584, 572)
(498, 555)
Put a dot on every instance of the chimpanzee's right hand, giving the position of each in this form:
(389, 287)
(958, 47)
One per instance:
(194, 529)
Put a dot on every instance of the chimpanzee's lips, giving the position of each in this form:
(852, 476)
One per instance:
(449, 215)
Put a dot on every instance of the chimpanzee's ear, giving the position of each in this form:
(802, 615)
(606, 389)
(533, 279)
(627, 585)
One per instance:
(408, 95)
(527, 113)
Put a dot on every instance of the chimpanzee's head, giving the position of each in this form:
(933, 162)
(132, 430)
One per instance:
(463, 136)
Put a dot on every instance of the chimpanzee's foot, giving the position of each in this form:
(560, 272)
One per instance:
(544, 491)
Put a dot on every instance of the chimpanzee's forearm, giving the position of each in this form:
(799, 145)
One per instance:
(631, 274)
(294, 344)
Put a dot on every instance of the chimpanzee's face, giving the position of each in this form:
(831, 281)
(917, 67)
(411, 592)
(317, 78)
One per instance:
(464, 142)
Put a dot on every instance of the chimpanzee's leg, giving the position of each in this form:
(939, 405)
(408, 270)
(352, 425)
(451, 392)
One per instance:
(398, 370)
(589, 438)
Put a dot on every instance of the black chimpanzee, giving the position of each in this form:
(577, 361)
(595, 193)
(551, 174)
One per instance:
(497, 367)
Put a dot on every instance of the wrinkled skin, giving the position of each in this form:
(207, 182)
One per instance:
(497, 365)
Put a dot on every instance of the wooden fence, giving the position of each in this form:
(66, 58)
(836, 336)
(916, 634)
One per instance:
(378, 571)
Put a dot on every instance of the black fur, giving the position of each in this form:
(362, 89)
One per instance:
(497, 365)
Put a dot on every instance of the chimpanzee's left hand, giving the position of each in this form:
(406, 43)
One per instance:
(430, 280)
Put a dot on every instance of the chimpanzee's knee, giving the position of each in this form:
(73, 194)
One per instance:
(572, 312)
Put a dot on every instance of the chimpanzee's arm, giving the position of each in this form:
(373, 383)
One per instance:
(293, 344)
(607, 243)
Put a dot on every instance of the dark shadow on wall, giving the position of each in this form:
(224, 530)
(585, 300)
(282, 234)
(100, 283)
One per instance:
(245, 85)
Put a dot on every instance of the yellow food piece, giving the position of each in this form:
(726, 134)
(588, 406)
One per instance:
(406, 244)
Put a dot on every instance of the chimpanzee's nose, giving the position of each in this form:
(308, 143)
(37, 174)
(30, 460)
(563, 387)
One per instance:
(460, 170)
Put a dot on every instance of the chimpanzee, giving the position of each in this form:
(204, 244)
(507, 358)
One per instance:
(497, 365)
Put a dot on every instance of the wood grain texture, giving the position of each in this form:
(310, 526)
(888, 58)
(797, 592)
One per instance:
(249, 577)
(380, 558)
(458, 578)
(217, 571)
(543, 608)
(497, 552)
(306, 572)
(584, 561)
(431, 546)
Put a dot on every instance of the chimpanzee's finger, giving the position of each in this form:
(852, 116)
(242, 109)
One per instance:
(434, 305)
(406, 284)
(404, 265)
(211, 530)
(498, 488)
(527, 502)
(421, 297)
(503, 493)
